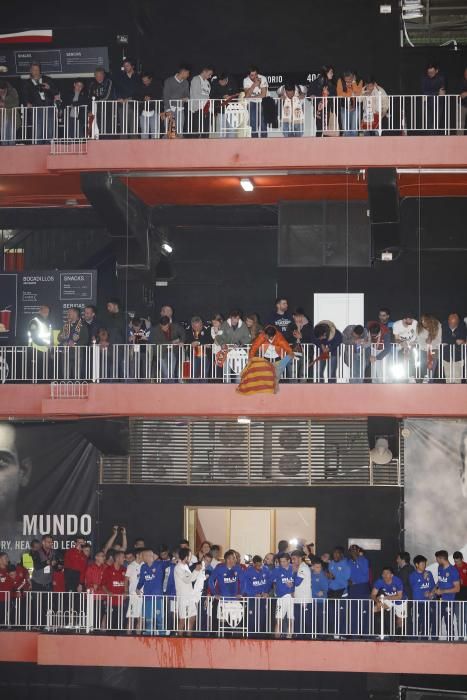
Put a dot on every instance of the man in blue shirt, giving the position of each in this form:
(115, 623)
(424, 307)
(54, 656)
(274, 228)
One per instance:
(389, 599)
(447, 587)
(255, 585)
(284, 581)
(339, 575)
(319, 593)
(224, 582)
(359, 590)
(422, 585)
(150, 584)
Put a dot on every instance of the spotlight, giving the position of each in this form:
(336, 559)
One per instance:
(243, 420)
(247, 184)
(398, 371)
(167, 248)
(293, 542)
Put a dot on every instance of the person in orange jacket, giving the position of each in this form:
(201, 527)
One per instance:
(272, 345)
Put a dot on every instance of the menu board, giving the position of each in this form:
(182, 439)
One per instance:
(60, 62)
(22, 294)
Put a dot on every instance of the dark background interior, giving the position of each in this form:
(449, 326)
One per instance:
(71, 683)
(157, 513)
(294, 38)
(226, 257)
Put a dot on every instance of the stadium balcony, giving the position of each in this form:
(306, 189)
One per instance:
(151, 380)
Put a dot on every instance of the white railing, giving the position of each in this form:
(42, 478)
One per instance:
(213, 363)
(315, 618)
(43, 125)
(239, 118)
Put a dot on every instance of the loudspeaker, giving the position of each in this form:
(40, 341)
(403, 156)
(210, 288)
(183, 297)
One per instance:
(381, 426)
(383, 202)
(109, 435)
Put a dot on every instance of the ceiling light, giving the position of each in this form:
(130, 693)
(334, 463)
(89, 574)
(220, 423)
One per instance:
(167, 248)
(247, 184)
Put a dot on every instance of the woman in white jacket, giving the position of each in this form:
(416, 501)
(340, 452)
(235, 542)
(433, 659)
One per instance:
(184, 580)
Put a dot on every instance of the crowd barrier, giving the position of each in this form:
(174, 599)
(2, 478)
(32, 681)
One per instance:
(238, 118)
(315, 618)
(213, 363)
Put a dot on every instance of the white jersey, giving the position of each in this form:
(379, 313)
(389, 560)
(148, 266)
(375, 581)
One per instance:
(132, 574)
(407, 333)
(303, 591)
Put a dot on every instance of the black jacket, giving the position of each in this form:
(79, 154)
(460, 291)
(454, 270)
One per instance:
(101, 91)
(404, 575)
(32, 92)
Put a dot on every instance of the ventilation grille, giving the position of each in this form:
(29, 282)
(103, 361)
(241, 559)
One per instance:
(266, 453)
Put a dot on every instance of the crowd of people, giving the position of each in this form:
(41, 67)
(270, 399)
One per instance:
(196, 107)
(381, 350)
(147, 590)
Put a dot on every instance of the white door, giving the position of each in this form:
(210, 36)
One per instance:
(342, 309)
(250, 531)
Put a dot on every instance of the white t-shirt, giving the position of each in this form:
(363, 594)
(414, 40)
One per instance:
(303, 591)
(256, 94)
(132, 574)
(408, 333)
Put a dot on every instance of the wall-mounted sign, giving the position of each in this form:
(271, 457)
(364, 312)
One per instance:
(65, 63)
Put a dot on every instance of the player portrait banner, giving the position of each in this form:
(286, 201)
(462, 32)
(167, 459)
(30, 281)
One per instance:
(435, 510)
(48, 485)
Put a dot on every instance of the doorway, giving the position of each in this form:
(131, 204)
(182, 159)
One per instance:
(248, 530)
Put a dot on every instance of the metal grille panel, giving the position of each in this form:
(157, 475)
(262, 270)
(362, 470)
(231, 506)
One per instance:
(267, 453)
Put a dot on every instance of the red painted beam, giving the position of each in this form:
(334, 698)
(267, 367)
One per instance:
(237, 154)
(258, 655)
(19, 646)
(293, 400)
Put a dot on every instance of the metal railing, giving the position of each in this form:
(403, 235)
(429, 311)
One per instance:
(224, 364)
(217, 616)
(239, 118)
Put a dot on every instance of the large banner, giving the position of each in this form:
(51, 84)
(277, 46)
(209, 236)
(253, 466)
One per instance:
(435, 512)
(22, 294)
(48, 485)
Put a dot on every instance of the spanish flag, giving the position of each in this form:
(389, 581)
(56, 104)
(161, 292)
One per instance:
(258, 377)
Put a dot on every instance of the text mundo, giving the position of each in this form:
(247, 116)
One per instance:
(54, 525)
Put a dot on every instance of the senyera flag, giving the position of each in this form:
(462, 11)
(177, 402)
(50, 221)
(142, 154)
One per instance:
(29, 36)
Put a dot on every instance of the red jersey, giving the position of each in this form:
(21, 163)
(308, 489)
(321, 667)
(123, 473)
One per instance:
(58, 581)
(114, 581)
(76, 559)
(462, 571)
(21, 581)
(6, 584)
(93, 577)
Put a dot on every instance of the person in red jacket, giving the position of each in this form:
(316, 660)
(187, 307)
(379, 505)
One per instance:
(94, 574)
(75, 565)
(58, 578)
(21, 586)
(113, 583)
(21, 580)
(6, 587)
